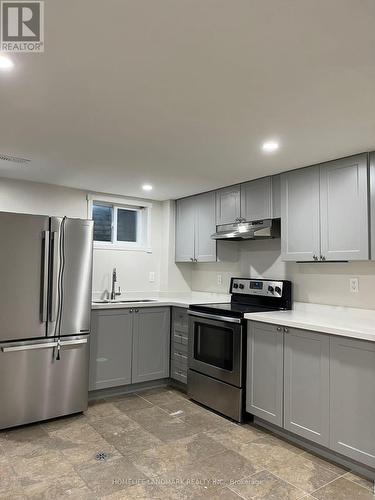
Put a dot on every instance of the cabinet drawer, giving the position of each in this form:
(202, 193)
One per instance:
(180, 358)
(182, 348)
(180, 337)
(178, 372)
(180, 319)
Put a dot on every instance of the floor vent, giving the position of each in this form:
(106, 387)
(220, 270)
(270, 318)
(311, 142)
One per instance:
(102, 456)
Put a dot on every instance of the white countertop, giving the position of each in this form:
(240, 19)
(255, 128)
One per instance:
(159, 300)
(335, 320)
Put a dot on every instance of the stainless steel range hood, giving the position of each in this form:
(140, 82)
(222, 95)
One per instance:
(255, 230)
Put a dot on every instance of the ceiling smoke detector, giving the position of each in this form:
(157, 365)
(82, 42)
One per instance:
(14, 159)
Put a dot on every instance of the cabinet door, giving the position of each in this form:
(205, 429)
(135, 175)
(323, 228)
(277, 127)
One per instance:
(344, 209)
(228, 207)
(372, 203)
(306, 389)
(185, 230)
(300, 219)
(205, 226)
(276, 196)
(264, 391)
(353, 399)
(110, 348)
(151, 344)
(256, 199)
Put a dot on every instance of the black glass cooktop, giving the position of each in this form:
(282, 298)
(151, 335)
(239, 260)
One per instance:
(229, 309)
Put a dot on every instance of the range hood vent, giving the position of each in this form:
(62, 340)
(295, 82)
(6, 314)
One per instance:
(256, 230)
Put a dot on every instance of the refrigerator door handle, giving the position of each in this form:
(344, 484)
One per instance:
(45, 345)
(29, 347)
(73, 342)
(44, 298)
(54, 277)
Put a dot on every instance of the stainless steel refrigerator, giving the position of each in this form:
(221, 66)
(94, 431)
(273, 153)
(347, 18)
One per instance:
(45, 303)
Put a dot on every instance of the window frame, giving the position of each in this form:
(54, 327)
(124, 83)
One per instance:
(143, 231)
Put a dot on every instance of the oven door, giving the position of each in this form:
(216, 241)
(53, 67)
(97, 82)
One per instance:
(215, 347)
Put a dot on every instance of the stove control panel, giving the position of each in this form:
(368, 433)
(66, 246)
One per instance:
(265, 288)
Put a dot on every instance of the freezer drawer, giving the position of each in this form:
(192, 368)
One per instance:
(35, 386)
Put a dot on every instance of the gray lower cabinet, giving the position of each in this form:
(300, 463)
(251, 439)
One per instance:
(264, 389)
(129, 346)
(327, 393)
(353, 399)
(110, 348)
(151, 340)
(306, 384)
(179, 344)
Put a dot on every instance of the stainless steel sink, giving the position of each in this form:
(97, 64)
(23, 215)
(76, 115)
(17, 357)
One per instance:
(134, 301)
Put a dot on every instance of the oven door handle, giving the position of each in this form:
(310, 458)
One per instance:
(213, 316)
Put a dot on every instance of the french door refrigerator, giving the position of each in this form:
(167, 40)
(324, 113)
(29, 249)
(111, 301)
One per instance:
(45, 303)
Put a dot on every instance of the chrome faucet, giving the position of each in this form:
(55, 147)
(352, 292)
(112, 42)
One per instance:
(114, 281)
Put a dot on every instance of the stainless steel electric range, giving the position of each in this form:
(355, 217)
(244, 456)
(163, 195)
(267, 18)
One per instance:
(217, 342)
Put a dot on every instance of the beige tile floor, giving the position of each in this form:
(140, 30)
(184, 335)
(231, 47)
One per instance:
(161, 445)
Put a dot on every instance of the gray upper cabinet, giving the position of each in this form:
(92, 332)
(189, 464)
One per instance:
(110, 348)
(276, 196)
(264, 390)
(205, 225)
(306, 379)
(185, 229)
(151, 343)
(300, 215)
(324, 211)
(195, 223)
(372, 203)
(344, 209)
(256, 199)
(228, 205)
(353, 399)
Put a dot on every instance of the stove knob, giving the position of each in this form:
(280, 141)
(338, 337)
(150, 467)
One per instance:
(271, 289)
(235, 285)
(241, 286)
(278, 290)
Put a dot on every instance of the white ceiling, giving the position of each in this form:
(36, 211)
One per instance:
(181, 93)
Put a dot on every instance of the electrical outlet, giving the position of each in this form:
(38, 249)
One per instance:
(219, 279)
(354, 285)
(151, 277)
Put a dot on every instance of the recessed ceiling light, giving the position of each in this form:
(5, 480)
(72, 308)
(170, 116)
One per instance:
(270, 146)
(6, 63)
(147, 187)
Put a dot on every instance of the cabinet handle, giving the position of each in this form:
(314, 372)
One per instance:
(286, 330)
(137, 310)
(279, 328)
(322, 258)
(130, 310)
(315, 257)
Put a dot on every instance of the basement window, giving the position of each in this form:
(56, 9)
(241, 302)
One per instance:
(120, 227)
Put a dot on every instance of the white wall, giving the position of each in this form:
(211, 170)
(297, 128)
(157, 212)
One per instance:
(133, 267)
(323, 283)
